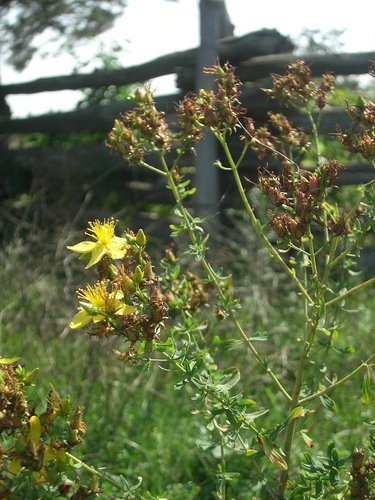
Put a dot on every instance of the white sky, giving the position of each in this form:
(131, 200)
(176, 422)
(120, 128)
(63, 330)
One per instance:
(151, 28)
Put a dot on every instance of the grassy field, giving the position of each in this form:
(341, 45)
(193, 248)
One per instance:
(137, 424)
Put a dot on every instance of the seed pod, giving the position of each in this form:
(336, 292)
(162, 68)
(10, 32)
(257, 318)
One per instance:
(210, 118)
(277, 198)
(314, 185)
(358, 459)
(296, 229)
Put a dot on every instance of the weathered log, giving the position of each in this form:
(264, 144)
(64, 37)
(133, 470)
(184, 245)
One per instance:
(86, 163)
(339, 64)
(231, 48)
(100, 118)
(91, 119)
(257, 68)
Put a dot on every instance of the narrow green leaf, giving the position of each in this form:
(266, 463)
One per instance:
(260, 336)
(180, 385)
(246, 402)
(274, 456)
(215, 341)
(307, 439)
(250, 417)
(366, 389)
(144, 367)
(368, 196)
(328, 403)
(250, 452)
(349, 349)
(166, 347)
(235, 377)
(295, 414)
(322, 314)
(229, 345)
(318, 489)
(8, 361)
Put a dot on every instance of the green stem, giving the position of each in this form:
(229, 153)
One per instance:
(103, 477)
(349, 292)
(331, 256)
(314, 268)
(153, 169)
(339, 382)
(213, 278)
(256, 223)
(290, 429)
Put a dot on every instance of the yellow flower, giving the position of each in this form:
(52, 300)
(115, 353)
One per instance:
(35, 430)
(106, 243)
(15, 466)
(97, 304)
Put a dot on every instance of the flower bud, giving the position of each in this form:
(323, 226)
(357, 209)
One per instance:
(361, 101)
(49, 453)
(138, 96)
(117, 128)
(358, 459)
(112, 271)
(140, 238)
(138, 275)
(31, 376)
(227, 284)
(61, 460)
(148, 271)
(76, 420)
(94, 483)
(127, 284)
(73, 437)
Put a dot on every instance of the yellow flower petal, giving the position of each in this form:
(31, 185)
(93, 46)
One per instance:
(126, 309)
(15, 466)
(35, 430)
(98, 252)
(80, 320)
(83, 247)
(49, 453)
(98, 318)
(38, 477)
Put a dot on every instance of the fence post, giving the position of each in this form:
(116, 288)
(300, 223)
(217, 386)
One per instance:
(214, 24)
(5, 115)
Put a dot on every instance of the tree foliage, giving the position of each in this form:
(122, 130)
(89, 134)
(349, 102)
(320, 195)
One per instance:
(63, 21)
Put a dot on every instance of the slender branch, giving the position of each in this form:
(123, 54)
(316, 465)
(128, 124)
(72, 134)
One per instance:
(216, 284)
(256, 223)
(290, 429)
(349, 292)
(103, 477)
(153, 169)
(339, 382)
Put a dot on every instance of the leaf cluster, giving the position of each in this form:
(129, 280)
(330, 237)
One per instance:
(23, 21)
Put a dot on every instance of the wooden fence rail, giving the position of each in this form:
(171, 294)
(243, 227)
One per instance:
(256, 56)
